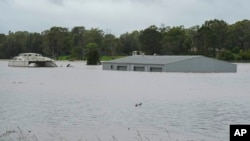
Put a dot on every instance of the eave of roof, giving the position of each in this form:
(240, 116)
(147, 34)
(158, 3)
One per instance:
(146, 59)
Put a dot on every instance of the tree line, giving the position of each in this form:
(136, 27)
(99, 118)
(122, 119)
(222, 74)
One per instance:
(214, 38)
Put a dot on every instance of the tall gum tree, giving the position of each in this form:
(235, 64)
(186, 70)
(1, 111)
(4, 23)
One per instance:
(150, 40)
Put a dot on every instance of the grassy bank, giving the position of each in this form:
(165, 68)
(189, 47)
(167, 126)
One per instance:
(108, 58)
(65, 57)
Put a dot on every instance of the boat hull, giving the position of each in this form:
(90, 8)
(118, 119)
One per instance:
(13, 63)
(31, 60)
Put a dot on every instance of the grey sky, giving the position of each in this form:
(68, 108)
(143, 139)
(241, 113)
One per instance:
(116, 16)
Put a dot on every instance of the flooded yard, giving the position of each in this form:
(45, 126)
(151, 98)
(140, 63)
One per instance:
(87, 103)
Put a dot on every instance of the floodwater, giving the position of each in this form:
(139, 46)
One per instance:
(90, 104)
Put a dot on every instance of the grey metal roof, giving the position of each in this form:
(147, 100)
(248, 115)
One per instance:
(146, 59)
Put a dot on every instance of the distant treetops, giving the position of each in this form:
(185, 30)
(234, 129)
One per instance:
(215, 38)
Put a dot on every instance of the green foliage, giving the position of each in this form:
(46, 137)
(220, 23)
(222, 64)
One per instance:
(77, 36)
(240, 35)
(226, 55)
(234, 55)
(129, 42)
(108, 45)
(64, 57)
(77, 53)
(108, 58)
(176, 41)
(56, 41)
(236, 50)
(94, 35)
(92, 54)
(2, 40)
(244, 55)
(214, 38)
(211, 37)
(150, 40)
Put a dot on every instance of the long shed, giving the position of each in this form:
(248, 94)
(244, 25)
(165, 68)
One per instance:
(196, 64)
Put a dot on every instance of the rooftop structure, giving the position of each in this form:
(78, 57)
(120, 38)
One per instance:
(170, 64)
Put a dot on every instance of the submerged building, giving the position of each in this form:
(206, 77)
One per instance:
(196, 64)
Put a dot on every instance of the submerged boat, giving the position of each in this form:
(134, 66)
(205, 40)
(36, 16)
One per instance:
(31, 60)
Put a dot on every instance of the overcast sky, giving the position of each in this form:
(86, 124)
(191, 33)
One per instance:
(116, 16)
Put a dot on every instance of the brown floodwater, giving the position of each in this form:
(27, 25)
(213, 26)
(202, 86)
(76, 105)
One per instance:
(87, 103)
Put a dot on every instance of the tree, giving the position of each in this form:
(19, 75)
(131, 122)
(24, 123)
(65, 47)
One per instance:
(57, 41)
(108, 45)
(244, 55)
(92, 54)
(129, 42)
(94, 35)
(211, 37)
(2, 51)
(240, 35)
(78, 41)
(15, 43)
(220, 29)
(214, 38)
(77, 35)
(204, 41)
(76, 53)
(176, 41)
(150, 40)
(226, 55)
(34, 43)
